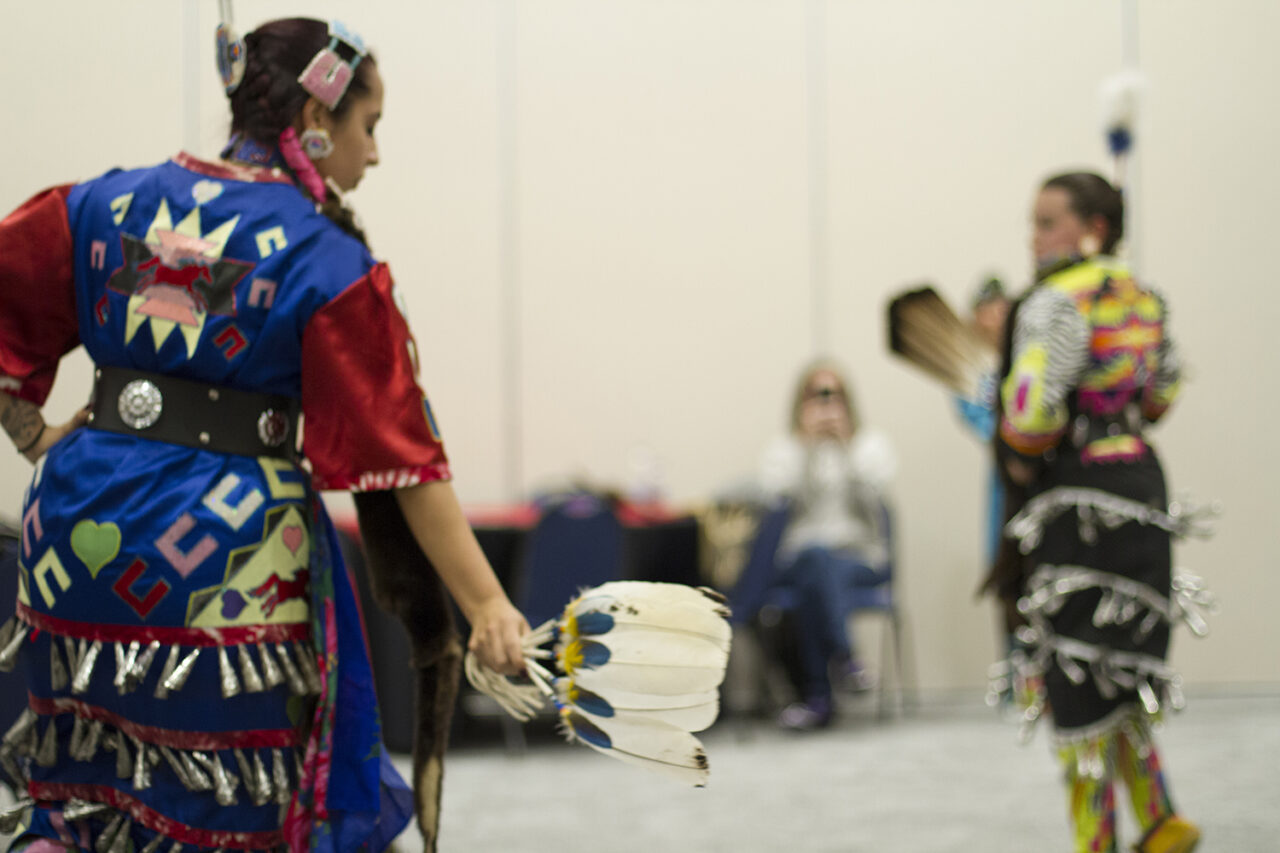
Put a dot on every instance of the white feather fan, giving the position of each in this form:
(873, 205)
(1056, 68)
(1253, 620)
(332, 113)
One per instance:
(633, 667)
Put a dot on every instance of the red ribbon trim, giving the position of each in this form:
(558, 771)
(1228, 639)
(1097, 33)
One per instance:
(173, 738)
(152, 819)
(231, 171)
(236, 636)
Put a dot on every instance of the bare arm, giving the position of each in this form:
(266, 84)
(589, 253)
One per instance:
(435, 517)
(26, 427)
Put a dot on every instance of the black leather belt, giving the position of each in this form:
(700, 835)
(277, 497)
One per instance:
(194, 414)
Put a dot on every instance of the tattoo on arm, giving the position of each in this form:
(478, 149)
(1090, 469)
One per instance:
(21, 419)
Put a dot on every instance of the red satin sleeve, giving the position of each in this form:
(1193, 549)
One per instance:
(368, 426)
(37, 295)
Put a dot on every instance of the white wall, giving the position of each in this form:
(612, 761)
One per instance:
(673, 204)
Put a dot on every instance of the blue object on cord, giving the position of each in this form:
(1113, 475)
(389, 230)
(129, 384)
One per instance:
(576, 544)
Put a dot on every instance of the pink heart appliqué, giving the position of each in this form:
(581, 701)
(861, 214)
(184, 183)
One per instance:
(292, 536)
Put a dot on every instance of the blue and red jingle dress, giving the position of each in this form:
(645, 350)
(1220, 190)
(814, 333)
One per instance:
(192, 650)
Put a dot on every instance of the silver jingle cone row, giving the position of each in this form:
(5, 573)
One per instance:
(197, 770)
(277, 664)
(207, 771)
(116, 836)
(297, 666)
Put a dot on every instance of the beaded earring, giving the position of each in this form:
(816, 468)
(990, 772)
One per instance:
(316, 143)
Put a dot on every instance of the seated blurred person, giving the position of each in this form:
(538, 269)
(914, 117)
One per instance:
(833, 472)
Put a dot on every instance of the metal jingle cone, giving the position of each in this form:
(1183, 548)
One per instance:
(8, 629)
(89, 747)
(246, 772)
(26, 720)
(58, 674)
(1150, 701)
(138, 672)
(261, 789)
(103, 844)
(310, 670)
(296, 682)
(142, 767)
(80, 683)
(118, 681)
(78, 726)
(280, 776)
(271, 674)
(73, 653)
(47, 752)
(77, 809)
(252, 784)
(194, 773)
(170, 664)
(249, 672)
(124, 761)
(10, 765)
(122, 671)
(230, 684)
(176, 848)
(179, 769)
(9, 654)
(181, 672)
(30, 743)
(224, 781)
(123, 842)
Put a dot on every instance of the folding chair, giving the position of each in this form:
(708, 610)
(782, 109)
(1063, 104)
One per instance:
(766, 612)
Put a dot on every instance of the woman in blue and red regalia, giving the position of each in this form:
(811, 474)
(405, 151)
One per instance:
(188, 635)
(1086, 563)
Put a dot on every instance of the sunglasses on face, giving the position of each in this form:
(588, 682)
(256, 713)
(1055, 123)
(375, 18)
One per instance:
(824, 395)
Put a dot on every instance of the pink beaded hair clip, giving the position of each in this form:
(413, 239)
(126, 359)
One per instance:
(328, 75)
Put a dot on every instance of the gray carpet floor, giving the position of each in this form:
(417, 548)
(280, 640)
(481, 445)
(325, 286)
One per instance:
(946, 778)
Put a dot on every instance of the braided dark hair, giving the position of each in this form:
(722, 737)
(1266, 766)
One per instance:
(1092, 195)
(269, 98)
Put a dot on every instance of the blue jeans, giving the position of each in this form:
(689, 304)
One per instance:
(819, 583)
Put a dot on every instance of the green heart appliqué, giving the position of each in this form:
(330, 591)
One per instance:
(95, 544)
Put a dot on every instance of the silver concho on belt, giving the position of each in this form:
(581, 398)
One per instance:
(273, 427)
(140, 404)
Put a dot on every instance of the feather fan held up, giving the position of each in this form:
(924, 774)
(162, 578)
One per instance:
(633, 668)
(927, 333)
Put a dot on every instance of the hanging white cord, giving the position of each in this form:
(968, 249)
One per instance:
(1131, 177)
